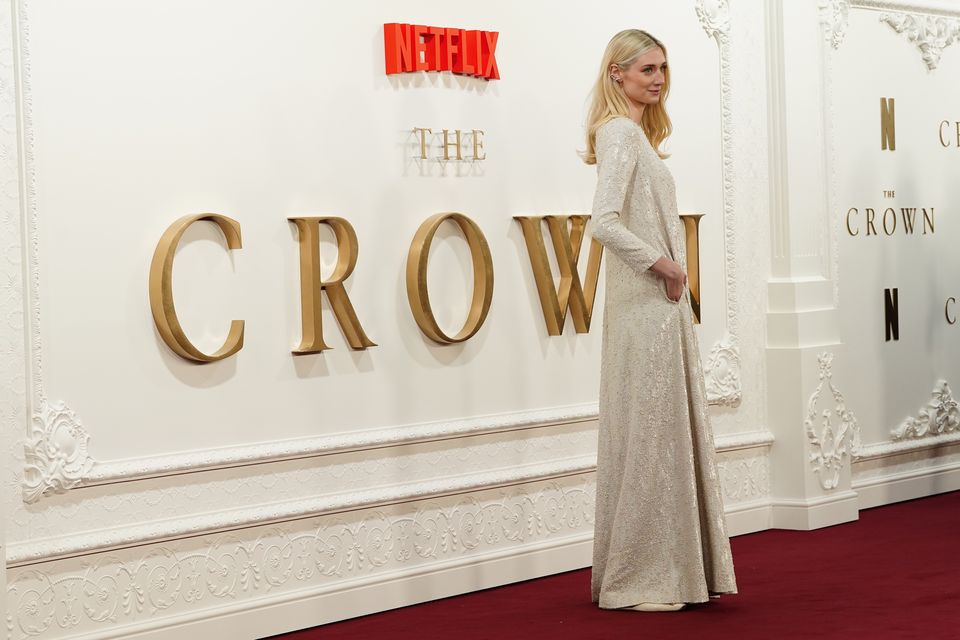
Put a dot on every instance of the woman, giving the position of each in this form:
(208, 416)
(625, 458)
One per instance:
(660, 537)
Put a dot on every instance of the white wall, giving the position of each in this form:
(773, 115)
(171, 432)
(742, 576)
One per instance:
(269, 492)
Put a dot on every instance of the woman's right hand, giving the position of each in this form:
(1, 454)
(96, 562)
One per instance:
(673, 277)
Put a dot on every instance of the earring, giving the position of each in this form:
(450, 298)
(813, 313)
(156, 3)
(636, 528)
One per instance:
(614, 78)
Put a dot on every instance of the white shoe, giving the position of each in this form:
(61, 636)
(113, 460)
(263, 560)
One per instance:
(658, 606)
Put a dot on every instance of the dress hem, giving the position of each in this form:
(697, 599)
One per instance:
(626, 603)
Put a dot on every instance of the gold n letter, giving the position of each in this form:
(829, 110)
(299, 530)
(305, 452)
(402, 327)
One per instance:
(567, 234)
(691, 227)
(888, 134)
(161, 290)
(311, 286)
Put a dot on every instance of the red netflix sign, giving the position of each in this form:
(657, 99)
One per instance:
(415, 47)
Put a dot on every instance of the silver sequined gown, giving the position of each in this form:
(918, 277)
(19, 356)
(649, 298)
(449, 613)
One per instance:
(660, 531)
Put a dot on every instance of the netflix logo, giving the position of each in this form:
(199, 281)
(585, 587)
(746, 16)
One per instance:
(416, 47)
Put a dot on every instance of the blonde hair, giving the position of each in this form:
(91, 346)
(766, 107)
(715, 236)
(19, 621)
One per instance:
(609, 101)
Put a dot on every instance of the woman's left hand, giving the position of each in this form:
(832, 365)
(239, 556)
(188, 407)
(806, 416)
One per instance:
(675, 288)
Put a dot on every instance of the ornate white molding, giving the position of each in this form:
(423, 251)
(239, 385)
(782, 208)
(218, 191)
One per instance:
(55, 452)
(13, 387)
(111, 591)
(833, 443)
(744, 470)
(900, 447)
(936, 425)
(947, 8)
(730, 442)
(834, 17)
(722, 372)
(930, 25)
(55, 449)
(41, 550)
(941, 416)
(160, 466)
(931, 34)
(35, 551)
(714, 16)
(167, 465)
(744, 479)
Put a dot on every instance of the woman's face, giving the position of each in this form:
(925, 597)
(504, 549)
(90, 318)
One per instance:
(643, 81)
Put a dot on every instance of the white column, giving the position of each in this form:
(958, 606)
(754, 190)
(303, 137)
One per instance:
(803, 326)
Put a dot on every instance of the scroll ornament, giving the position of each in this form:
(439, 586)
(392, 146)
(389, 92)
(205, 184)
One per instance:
(56, 453)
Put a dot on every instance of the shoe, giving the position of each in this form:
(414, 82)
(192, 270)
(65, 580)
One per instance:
(658, 606)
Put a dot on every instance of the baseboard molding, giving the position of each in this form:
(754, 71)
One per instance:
(908, 485)
(748, 517)
(265, 617)
(814, 513)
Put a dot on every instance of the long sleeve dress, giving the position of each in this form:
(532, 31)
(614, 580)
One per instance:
(660, 531)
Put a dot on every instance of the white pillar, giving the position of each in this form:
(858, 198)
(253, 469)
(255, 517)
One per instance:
(803, 325)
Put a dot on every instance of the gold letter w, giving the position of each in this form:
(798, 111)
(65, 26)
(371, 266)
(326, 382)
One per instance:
(567, 235)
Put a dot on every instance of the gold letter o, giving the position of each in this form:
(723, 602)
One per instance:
(417, 293)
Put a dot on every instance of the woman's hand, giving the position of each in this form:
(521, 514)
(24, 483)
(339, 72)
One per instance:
(673, 277)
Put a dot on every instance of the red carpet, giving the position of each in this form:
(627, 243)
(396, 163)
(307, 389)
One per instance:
(893, 574)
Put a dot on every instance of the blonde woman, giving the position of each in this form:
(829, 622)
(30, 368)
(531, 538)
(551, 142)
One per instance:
(660, 537)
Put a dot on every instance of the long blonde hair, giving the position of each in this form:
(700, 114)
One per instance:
(608, 100)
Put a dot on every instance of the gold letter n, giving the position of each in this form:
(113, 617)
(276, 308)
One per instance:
(567, 235)
(888, 133)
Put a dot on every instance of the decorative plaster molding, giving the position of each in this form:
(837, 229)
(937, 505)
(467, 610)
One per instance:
(722, 377)
(931, 34)
(730, 442)
(714, 16)
(947, 8)
(55, 449)
(181, 496)
(35, 551)
(941, 416)
(834, 17)
(55, 452)
(930, 25)
(910, 445)
(42, 550)
(831, 445)
(13, 387)
(744, 479)
(138, 585)
(160, 466)
(167, 465)
(936, 425)
(722, 373)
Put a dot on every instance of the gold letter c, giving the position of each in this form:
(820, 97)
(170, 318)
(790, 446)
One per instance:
(161, 290)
